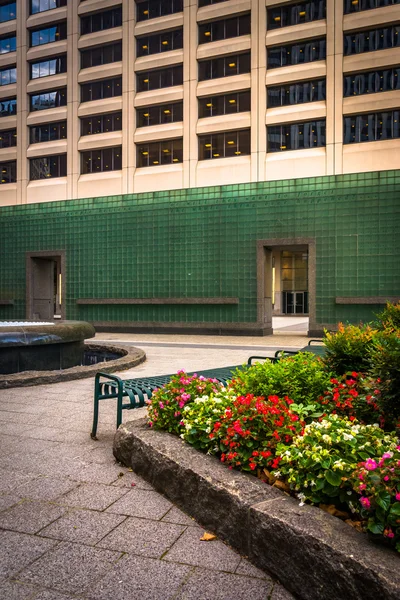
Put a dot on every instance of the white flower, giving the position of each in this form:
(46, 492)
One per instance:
(312, 483)
(347, 437)
(301, 497)
(276, 474)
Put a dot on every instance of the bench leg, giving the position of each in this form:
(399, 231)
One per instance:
(119, 408)
(95, 410)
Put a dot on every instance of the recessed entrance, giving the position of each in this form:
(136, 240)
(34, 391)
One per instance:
(45, 285)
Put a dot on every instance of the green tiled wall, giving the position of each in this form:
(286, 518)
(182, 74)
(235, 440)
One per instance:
(202, 243)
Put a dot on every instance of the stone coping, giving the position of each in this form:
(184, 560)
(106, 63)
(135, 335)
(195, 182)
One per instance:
(314, 555)
(34, 333)
(131, 357)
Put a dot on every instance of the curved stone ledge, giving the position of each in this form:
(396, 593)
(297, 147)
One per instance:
(131, 357)
(314, 555)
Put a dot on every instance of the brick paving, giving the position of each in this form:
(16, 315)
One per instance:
(75, 524)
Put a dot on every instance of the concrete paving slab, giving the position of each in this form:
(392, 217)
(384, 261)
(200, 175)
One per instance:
(45, 488)
(93, 496)
(30, 516)
(12, 590)
(8, 500)
(9, 480)
(50, 595)
(84, 526)
(132, 478)
(175, 515)
(141, 503)
(246, 568)
(18, 550)
(208, 585)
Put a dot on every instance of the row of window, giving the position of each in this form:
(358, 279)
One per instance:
(293, 136)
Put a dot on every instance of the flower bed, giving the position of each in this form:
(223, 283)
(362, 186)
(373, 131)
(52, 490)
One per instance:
(318, 429)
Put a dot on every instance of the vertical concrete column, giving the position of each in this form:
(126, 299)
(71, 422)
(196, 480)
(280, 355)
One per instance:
(128, 96)
(338, 86)
(190, 74)
(22, 103)
(258, 88)
(330, 85)
(73, 99)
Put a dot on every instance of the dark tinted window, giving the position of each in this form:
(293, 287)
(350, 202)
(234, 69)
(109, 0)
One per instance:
(48, 166)
(160, 42)
(47, 35)
(49, 100)
(227, 104)
(101, 55)
(296, 136)
(160, 153)
(371, 40)
(371, 82)
(209, 2)
(159, 114)
(351, 6)
(50, 66)
(159, 78)
(8, 75)
(101, 123)
(224, 29)
(98, 90)
(296, 54)
(8, 107)
(224, 66)
(8, 44)
(8, 138)
(105, 159)
(296, 93)
(38, 6)
(293, 14)
(151, 9)
(224, 145)
(48, 132)
(101, 21)
(371, 127)
(8, 172)
(8, 11)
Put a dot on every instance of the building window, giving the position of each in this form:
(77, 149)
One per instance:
(224, 29)
(371, 82)
(8, 11)
(296, 136)
(8, 75)
(38, 6)
(160, 42)
(226, 104)
(8, 172)
(101, 21)
(224, 145)
(293, 14)
(101, 55)
(296, 93)
(8, 138)
(209, 2)
(160, 114)
(374, 39)
(49, 100)
(46, 167)
(160, 153)
(371, 127)
(159, 78)
(101, 123)
(296, 54)
(98, 161)
(351, 6)
(50, 66)
(8, 107)
(224, 67)
(47, 35)
(8, 44)
(48, 132)
(98, 90)
(151, 9)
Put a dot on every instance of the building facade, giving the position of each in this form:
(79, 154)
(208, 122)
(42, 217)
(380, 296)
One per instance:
(254, 142)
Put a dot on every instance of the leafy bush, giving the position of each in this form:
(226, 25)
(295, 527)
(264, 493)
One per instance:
(250, 429)
(302, 377)
(354, 396)
(166, 404)
(384, 356)
(199, 419)
(318, 464)
(347, 349)
(378, 482)
(389, 318)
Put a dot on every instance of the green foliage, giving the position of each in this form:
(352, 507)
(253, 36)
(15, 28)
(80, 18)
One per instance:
(384, 356)
(347, 349)
(318, 465)
(389, 318)
(303, 378)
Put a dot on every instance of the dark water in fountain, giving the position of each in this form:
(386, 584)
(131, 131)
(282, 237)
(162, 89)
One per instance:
(93, 357)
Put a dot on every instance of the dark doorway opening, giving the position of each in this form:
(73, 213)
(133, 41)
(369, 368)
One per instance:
(45, 285)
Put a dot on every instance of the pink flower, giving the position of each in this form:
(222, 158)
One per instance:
(388, 533)
(362, 486)
(185, 397)
(387, 455)
(398, 497)
(365, 503)
(386, 478)
(161, 405)
(370, 464)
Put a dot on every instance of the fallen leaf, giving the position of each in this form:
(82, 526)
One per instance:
(356, 524)
(332, 510)
(281, 485)
(121, 474)
(130, 470)
(208, 537)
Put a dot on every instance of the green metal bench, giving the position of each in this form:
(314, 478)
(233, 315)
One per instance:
(137, 391)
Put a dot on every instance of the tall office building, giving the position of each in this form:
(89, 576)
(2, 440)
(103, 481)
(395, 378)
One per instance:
(126, 100)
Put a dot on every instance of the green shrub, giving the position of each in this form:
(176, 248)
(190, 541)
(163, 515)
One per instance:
(303, 378)
(347, 349)
(389, 318)
(318, 464)
(384, 356)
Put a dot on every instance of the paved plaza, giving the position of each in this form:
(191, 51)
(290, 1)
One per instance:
(75, 524)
